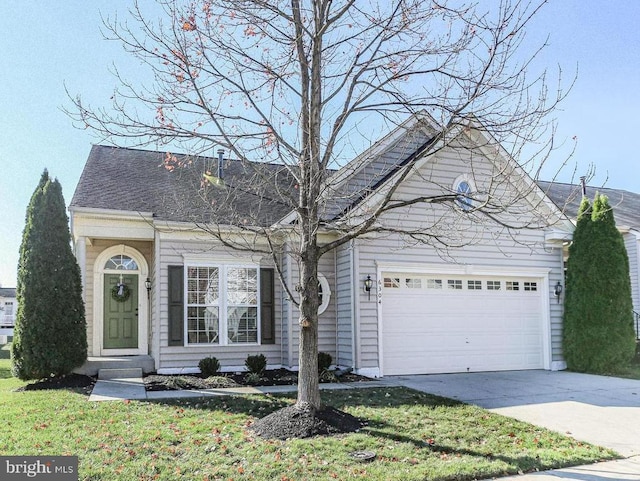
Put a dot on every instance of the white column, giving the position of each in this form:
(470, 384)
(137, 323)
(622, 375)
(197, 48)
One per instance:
(81, 257)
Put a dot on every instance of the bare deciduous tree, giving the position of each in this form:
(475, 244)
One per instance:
(304, 84)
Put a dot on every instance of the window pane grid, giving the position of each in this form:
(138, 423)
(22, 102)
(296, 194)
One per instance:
(242, 305)
(122, 263)
(203, 305)
(393, 282)
(512, 285)
(474, 285)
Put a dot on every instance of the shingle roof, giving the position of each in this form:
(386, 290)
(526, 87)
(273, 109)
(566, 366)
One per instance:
(134, 180)
(7, 292)
(625, 204)
(369, 173)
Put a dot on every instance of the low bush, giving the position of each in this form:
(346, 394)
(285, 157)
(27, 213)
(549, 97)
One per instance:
(209, 366)
(252, 378)
(324, 361)
(256, 364)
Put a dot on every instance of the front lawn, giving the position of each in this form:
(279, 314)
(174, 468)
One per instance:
(415, 437)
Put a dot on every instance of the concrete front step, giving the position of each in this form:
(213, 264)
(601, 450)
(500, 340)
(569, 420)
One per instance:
(95, 364)
(122, 373)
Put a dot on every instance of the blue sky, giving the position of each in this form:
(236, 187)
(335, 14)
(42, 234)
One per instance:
(47, 45)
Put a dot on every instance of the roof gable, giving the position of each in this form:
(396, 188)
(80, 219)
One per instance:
(413, 145)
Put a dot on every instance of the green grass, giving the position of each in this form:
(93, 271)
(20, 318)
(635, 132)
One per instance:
(5, 361)
(415, 436)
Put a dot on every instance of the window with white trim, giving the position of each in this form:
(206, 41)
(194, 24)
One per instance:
(464, 188)
(434, 283)
(324, 293)
(222, 304)
(454, 284)
(121, 262)
(512, 285)
(530, 286)
(8, 308)
(474, 285)
(493, 285)
(393, 282)
(413, 282)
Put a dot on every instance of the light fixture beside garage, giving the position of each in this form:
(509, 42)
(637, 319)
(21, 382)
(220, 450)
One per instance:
(368, 284)
(557, 291)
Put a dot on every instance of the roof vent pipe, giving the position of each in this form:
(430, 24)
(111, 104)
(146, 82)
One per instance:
(220, 164)
(583, 182)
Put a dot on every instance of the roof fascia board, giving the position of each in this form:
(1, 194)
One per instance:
(92, 212)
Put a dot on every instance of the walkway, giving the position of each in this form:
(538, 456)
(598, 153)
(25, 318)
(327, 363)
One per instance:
(133, 389)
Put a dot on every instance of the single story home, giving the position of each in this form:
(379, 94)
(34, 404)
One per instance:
(435, 288)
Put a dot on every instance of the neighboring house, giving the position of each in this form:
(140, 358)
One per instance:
(626, 211)
(8, 306)
(489, 305)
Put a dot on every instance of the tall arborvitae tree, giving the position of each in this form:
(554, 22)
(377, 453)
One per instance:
(598, 320)
(50, 330)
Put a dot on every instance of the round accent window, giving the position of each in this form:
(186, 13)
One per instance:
(324, 293)
(464, 189)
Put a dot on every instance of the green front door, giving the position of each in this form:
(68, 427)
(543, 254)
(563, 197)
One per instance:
(120, 312)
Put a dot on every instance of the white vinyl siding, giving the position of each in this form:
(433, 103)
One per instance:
(632, 244)
(173, 248)
(344, 307)
(327, 325)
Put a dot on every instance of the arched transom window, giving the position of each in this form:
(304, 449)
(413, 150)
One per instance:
(121, 262)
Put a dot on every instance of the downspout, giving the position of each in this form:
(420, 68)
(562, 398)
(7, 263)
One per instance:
(335, 301)
(283, 307)
(155, 298)
(355, 305)
(289, 311)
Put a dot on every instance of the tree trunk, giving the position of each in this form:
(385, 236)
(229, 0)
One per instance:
(308, 383)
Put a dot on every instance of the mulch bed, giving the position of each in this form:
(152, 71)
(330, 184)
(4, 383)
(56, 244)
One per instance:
(303, 421)
(75, 382)
(272, 377)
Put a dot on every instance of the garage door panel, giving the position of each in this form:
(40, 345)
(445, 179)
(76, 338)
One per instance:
(431, 330)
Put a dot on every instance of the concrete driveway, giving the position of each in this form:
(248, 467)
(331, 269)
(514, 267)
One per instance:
(597, 409)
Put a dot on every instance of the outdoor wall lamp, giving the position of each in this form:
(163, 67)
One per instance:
(557, 291)
(147, 284)
(368, 284)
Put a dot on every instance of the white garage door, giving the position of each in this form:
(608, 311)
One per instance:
(447, 323)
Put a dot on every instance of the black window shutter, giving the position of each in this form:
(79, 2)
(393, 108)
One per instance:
(176, 305)
(267, 307)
